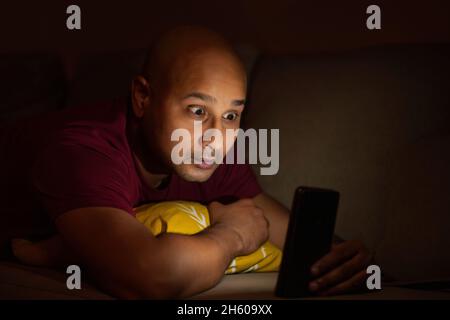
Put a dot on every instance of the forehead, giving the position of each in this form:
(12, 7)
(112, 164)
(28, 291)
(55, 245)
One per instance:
(217, 74)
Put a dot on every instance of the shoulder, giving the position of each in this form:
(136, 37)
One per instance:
(98, 126)
(91, 140)
(102, 120)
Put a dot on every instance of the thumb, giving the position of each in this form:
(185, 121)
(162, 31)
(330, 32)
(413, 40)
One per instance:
(213, 205)
(213, 210)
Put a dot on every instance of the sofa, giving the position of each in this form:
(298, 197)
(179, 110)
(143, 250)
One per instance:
(372, 123)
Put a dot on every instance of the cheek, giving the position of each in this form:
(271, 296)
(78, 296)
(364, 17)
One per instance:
(168, 128)
(170, 121)
(233, 129)
(228, 143)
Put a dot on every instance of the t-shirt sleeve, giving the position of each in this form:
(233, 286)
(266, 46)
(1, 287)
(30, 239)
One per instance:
(71, 176)
(239, 180)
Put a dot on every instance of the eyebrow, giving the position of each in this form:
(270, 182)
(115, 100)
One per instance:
(210, 99)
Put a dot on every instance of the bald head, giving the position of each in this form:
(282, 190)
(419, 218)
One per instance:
(181, 48)
(190, 75)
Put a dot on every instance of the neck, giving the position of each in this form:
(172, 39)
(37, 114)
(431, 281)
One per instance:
(153, 180)
(152, 173)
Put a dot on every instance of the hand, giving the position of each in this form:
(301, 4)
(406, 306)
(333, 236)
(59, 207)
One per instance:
(243, 219)
(343, 269)
(51, 252)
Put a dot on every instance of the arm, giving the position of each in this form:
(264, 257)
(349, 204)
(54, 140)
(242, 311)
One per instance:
(129, 262)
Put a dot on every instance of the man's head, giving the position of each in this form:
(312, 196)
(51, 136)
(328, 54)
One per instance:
(190, 74)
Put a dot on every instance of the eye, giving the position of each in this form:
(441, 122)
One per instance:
(231, 116)
(197, 110)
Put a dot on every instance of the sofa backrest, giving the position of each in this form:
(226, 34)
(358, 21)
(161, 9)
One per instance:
(345, 119)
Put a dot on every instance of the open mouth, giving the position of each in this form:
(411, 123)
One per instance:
(205, 163)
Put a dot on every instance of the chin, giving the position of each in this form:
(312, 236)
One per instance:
(192, 173)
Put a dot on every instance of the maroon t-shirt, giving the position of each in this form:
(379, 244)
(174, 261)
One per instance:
(81, 157)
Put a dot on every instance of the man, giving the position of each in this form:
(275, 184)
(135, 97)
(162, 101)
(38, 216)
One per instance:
(99, 162)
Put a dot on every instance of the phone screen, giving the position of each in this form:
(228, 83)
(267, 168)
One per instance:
(309, 237)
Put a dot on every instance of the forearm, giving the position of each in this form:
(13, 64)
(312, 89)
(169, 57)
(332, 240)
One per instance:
(191, 264)
(175, 266)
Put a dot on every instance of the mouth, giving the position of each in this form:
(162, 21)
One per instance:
(205, 163)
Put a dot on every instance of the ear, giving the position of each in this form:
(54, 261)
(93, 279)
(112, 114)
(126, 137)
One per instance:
(140, 95)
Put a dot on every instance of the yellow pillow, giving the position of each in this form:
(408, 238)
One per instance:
(184, 217)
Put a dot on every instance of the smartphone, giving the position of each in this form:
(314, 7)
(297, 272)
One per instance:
(309, 237)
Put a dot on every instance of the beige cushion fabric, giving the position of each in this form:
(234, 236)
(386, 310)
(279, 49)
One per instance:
(21, 282)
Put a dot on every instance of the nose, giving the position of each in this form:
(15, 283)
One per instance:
(212, 141)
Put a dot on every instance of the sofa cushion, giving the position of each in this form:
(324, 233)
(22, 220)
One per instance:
(18, 281)
(22, 282)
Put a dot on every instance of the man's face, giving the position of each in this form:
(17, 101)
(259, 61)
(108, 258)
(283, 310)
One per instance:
(209, 88)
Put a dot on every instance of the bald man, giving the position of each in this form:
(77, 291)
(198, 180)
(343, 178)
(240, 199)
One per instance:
(74, 177)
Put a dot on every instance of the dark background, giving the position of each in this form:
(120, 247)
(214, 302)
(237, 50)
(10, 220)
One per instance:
(277, 26)
(360, 111)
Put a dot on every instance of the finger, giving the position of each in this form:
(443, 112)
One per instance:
(336, 256)
(214, 204)
(341, 273)
(213, 212)
(19, 241)
(246, 202)
(18, 244)
(354, 283)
